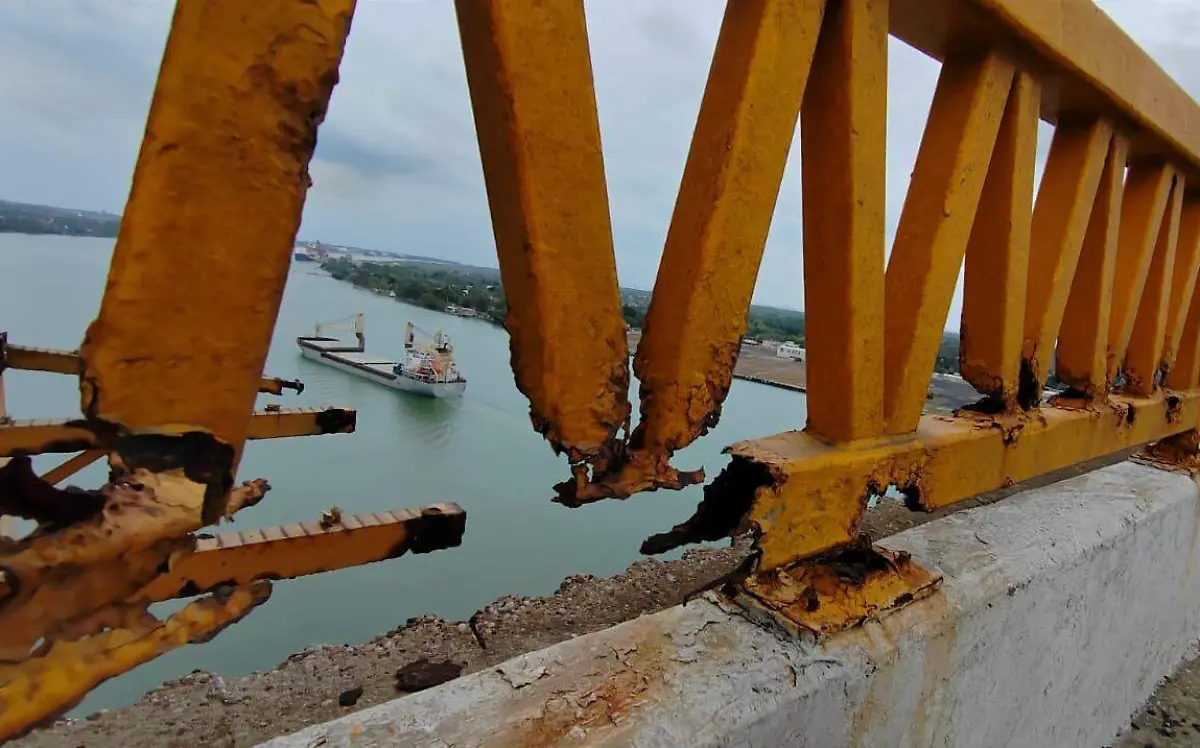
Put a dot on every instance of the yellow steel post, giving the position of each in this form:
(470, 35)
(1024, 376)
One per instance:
(1144, 356)
(1060, 221)
(935, 226)
(997, 260)
(1147, 187)
(206, 239)
(1183, 281)
(844, 148)
(1082, 351)
(1184, 369)
(530, 78)
(740, 145)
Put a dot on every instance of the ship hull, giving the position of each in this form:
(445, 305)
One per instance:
(387, 379)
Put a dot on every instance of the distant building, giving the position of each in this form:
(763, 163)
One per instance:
(790, 350)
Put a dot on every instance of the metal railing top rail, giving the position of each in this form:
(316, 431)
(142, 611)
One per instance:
(1087, 63)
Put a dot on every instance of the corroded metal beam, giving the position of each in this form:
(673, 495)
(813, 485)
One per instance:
(1147, 189)
(206, 239)
(41, 359)
(68, 362)
(1060, 221)
(65, 470)
(49, 684)
(1143, 358)
(530, 77)
(715, 242)
(805, 496)
(298, 550)
(935, 226)
(276, 386)
(997, 259)
(64, 436)
(1081, 356)
(1183, 280)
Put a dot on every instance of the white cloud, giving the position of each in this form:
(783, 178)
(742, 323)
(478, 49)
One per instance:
(397, 165)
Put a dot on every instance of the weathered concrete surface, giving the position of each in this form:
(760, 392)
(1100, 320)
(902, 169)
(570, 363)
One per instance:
(1061, 609)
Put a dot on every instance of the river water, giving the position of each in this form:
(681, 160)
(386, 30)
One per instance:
(480, 452)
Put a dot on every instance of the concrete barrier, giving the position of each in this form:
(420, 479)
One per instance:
(1061, 609)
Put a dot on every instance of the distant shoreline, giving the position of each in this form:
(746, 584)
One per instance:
(47, 220)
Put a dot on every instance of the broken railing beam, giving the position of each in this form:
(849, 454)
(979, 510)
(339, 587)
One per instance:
(530, 78)
(181, 338)
(692, 334)
(71, 466)
(118, 540)
(68, 362)
(47, 685)
(802, 496)
(41, 359)
(276, 386)
(65, 436)
(275, 424)
(297, 550)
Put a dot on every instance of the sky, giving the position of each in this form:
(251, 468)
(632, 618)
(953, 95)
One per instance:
(397, 165)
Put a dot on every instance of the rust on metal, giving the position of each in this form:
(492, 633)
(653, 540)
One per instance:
(40, 359)
(1142, 368)
(997, 257)
(1185, 371)
(1065, 198)
(935, 226)
(530, 78)
(130, 528)
(49, 684)
(1147, 188)
(1181, 451)
(291, 551)
(46, 436)
(276, 386)
(68, 362)
(1183, 283)
(231, 129)
(801, 496)
(697, 313)
(23, 494)
(1081, 356)
(840, 590)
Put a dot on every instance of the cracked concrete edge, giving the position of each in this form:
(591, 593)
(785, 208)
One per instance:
(1061, 609)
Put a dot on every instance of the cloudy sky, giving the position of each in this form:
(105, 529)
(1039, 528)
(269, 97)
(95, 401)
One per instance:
(396, 166)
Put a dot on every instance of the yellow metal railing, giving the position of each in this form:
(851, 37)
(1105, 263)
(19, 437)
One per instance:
(1094, 278)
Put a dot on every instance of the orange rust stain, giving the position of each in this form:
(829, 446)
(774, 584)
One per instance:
(572, 716)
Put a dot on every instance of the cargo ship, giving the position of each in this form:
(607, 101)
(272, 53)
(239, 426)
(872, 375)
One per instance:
(426, 369)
